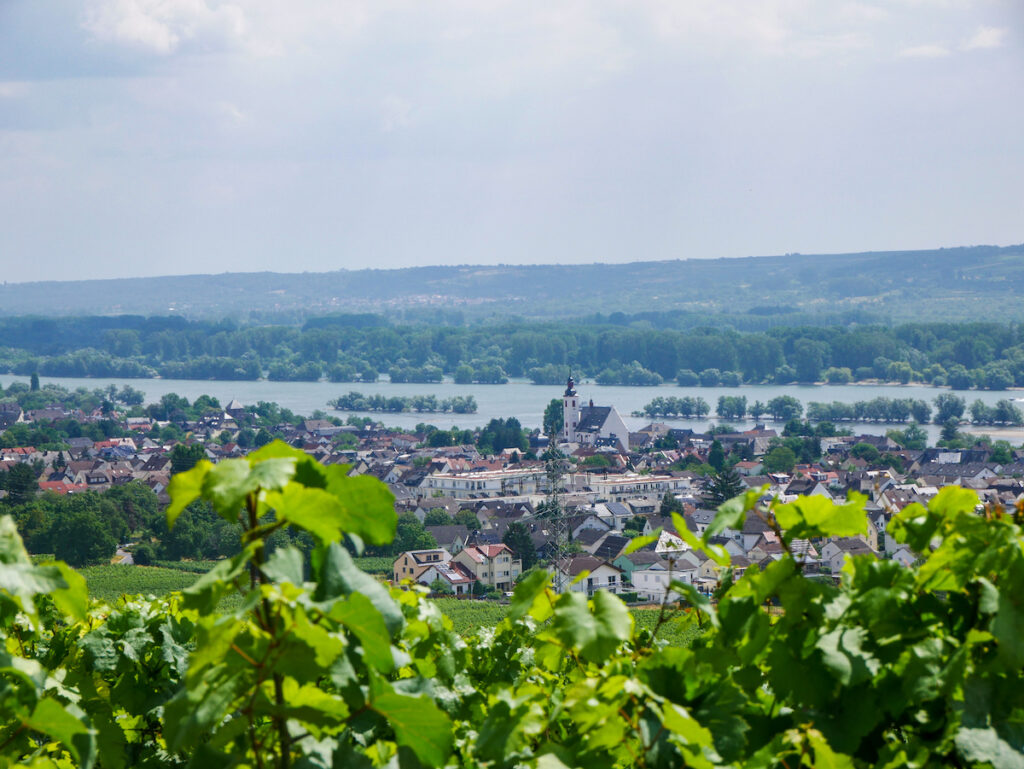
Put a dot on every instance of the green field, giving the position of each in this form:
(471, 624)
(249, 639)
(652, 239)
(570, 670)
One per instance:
(108, 583)
(469, 616)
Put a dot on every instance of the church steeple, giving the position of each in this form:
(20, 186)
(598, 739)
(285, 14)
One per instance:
(570, 387)
(570, 410)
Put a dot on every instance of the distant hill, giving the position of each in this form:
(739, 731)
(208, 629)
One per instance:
(952, 283)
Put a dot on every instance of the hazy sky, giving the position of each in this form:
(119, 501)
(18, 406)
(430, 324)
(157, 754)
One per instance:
(150, 137)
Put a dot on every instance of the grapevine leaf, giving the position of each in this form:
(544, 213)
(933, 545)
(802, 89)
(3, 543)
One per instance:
(362, 618)
(696, 599)
(419, 725)
(73, 599)
(285, 565)
(205, 593)
(1008, 625)
(12, 550)
(814, 516)
(339, 576)
(642, 541)
(228, 483)
(716, 553)
(732, 513)
(313, 510)
(596, 634)
(184, 489)
(368, 504)
(529, 596)
(987, 746)
(278, 449)
(51, 718)
(195, 710)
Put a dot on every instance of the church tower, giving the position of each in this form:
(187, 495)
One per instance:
(570, 411)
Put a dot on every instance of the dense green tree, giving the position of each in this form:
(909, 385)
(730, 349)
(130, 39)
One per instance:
(809, 358)
(716, 455)
(80, 537)
(517, 537)
(411, 535)
(185, 457)
(865, 451)
(437, 516)
(501, 434)
(669, 504)
(553, 418)
(467, 518)
(949, 406)
(780, 459)
(784, 408)
(914, 437)
(21, 484)
(721, 487)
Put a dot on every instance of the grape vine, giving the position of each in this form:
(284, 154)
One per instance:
(321, 665)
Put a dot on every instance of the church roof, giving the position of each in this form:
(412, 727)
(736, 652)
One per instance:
(592, 418)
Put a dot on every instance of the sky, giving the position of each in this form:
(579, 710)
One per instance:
(159, 137)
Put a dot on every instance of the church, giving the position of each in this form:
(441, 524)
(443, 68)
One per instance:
(591, 425)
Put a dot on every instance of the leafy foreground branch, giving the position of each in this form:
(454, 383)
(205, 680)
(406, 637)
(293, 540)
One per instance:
(323, 666)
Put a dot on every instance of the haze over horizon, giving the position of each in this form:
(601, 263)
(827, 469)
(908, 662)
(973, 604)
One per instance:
(168, 137)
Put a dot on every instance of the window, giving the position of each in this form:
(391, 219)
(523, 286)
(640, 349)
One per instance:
(611, 580)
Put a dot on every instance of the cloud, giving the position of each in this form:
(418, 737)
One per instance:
(930, 51)
(162, 26)
(985, 37)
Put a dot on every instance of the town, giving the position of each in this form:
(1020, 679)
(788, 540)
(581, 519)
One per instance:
(477, 510)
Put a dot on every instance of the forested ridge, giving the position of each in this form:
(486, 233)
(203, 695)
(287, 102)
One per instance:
(643, 349)
(960, 283)
(317, 664)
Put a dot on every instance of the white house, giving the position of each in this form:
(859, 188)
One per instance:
(651, 583)
(602, 575)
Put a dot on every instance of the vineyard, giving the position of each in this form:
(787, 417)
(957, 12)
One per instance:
(108, 583)
(267, 661)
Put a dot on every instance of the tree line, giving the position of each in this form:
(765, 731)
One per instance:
(891, 410)
(394, 404)
(960, 355)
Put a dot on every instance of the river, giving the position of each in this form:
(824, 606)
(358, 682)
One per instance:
(523, 400)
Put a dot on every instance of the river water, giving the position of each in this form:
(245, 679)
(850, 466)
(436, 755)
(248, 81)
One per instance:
(521, 399)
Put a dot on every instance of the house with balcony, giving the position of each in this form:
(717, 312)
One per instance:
(491, 565)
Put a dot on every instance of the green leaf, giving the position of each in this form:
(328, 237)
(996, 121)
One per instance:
(595, 633)
(843, 653)
(732, 513)
(716, 553)
(51, 718)
(12, 549)
(368, 504)
(226, 485)
(986, 746)
(642, 541)
(814, 516)
(73, 599)
(362, 618)
(339, 576)
(278, 449)
(530, 597)
(184, 489)
(419, 725)
(205, 593)
(696, 599)
(285, 565)
(313, 510)
(194, 711)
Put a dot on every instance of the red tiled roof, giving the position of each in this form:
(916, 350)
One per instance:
(61, 487)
